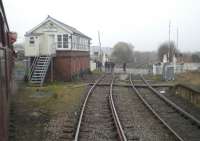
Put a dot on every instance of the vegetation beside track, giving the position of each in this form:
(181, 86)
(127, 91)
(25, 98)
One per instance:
(190, 79)
(33, 108)
(188, 89)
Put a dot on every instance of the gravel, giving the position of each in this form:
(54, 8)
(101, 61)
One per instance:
(137, 120)
(175, 120)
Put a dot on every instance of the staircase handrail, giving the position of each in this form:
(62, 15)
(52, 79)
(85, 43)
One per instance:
(45, 68)
(32, 67)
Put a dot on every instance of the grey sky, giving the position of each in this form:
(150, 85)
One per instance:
(144, 23)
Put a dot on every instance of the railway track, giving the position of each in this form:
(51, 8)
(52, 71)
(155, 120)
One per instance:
(138, 122)
(183, 125)
(98, 119)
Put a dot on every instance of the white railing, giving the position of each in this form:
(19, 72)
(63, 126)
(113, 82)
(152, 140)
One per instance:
(30, 72)
(45, 69)
(73, 46)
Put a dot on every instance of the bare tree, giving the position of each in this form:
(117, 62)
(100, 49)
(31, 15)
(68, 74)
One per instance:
(169, 49)
(122, 52)
(19, 49)
(143, 59)
(196, 57)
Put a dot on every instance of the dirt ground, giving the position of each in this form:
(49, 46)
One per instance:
(35, 110)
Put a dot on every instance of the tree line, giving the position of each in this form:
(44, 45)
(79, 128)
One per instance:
(124, 53)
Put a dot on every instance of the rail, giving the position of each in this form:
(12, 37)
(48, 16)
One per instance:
(137, 85)
(118, 125)
(83, 108)
(176, 107)
(153, 111)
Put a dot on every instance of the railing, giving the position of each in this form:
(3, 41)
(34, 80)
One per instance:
(30, 72)
(72, 46)
(45, 68)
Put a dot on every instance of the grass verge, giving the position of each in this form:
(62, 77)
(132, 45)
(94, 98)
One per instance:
(34, 107)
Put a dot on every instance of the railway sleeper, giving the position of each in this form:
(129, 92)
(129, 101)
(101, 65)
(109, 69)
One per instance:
(67, 136)
(132, 137)
(68, 130)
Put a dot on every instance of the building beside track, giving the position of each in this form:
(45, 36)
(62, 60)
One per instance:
(6, 67)
(56, 51)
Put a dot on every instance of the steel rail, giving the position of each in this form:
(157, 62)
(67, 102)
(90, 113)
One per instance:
(83, 108)
(118, 125)
(172, 104)
(136, 85)
(154, 112)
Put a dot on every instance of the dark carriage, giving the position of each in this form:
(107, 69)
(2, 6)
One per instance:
(6, 65)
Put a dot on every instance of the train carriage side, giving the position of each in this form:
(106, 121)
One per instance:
(6, 64)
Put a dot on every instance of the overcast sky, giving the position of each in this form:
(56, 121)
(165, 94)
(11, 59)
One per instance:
(144, 23)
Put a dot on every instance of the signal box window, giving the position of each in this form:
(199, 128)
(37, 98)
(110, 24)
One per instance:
(31, 41)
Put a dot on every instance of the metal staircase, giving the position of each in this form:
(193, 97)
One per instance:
(39, 70)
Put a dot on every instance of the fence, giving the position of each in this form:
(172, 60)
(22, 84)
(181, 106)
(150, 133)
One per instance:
(178, 68)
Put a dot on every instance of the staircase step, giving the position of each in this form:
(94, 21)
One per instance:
(43, 60)
(40, 65)
(44, 56)
(35, 82)
(40, 70)
(37, 76)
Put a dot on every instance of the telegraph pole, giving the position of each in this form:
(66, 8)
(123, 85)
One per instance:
(100, 55)
(169, 41)
(177, 35)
